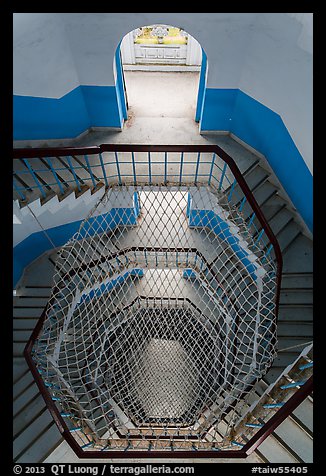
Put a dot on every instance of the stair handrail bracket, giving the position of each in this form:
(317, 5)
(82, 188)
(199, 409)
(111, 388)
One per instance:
(220, 205)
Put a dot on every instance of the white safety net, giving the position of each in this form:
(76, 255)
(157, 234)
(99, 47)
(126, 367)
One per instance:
(162, 317)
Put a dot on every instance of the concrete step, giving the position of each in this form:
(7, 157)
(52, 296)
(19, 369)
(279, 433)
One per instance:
(295, 313)
(297, 280)
(21, 335)
(296, 296)
(20, 368)
(24, 398)
(22, 383)
(285, 342)
(274, 452)
(303, 416)
(300, 443)
(47, 439)
(29, 414)
(287, 235)
(295, 329)
(27, 312)
(36, 302)
(24, 323)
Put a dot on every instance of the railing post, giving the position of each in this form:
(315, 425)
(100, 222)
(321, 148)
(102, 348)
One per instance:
(181, 166)
(133, 167)
(165, 167)
(90, 171)
(211, 170)
(118, 167)
(22, 196)
(55, 175)
(149, 168)
(34, 177)
(103, 169)
(222, 177)
(72, 170)
(197, 168)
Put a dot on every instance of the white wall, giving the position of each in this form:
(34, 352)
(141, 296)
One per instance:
(43, 65)
(43, 44)
(277, 71)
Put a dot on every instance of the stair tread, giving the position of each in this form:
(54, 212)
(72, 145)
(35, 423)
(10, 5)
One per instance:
(274, 452)
(43, 446)
(296, 438)
(304, 413)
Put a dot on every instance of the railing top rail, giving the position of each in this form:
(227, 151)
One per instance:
(30, 152)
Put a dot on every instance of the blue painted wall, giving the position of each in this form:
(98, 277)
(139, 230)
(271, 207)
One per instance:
(263, 129)
(66, 117)
(37, 243)
(218, 105)
(47, 118)
(201, 86)
(122, 102)
(105, 288)
(102, 106)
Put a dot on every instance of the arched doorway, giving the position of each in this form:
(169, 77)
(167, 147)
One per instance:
(161, 73)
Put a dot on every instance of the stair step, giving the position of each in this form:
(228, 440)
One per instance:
(288, 235)
(18, 348)
(304, 415)
(298, 440)
(295, 329)
(28, 312)
(291, 313)
(274, 452)
(286, 342)
(20, 385)
(301, 296)
(283, 359)
(39, 273)
(37, 427)
(30, 413)
(299, 256)
(43, 446)
(280, 220)
(24, 398)
(297, 280)
(35, 291)
(262, 194)
(20, 368)
(272, 206)
(24, 324)
(26, 179)
(30, 302)
(21, 336)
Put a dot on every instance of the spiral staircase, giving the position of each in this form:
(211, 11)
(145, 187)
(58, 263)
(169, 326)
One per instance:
(37, 437)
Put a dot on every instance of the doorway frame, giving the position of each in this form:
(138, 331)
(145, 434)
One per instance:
(122, 92)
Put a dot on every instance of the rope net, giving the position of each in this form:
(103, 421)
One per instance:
(162, 317)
